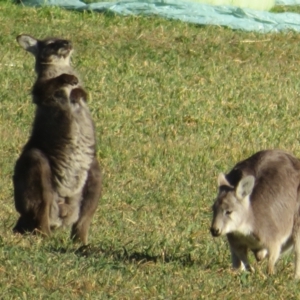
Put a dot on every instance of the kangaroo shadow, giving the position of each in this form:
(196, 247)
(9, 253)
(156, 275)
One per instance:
(123, 255)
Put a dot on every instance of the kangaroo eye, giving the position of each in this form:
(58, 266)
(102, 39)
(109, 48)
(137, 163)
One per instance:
(228, 212)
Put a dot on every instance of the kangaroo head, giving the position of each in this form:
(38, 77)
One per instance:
(50, 51)
(231, 206)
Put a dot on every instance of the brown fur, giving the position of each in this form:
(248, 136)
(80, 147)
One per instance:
(57, 179)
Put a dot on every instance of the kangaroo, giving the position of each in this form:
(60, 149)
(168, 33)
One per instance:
(257, 207)
(57, 178)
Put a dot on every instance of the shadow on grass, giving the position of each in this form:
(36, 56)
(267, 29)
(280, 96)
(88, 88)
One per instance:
(123, 255)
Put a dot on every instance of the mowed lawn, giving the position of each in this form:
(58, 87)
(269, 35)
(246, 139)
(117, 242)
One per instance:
(174, 105)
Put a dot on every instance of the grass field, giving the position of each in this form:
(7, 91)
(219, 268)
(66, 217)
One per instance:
(174, 104)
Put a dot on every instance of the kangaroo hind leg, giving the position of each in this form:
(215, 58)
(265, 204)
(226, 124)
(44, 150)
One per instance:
(90, 197)
(33, 192)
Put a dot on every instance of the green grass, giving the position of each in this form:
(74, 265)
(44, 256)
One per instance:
(281, 9)
(174, 104)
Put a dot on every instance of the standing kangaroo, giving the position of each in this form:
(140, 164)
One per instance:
(57, 178)
(257, 207)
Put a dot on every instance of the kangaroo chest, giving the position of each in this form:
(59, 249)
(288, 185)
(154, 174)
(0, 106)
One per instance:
(79, 150)
(250, 240)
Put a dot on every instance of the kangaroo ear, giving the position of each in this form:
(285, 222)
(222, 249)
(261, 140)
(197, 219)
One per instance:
(28, 43)
(245, 187)
(223, 181)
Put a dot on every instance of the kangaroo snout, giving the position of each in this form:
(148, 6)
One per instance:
(215, 231)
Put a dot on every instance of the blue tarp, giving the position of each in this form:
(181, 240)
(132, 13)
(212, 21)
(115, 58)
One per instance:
(229, 16)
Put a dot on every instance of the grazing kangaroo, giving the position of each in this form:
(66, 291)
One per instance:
(257, 207)
(57, 178)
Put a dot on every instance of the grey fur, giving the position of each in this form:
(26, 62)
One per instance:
(57, 179)
(257, 207)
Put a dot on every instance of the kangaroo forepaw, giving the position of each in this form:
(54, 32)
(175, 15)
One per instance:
(68, 79)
